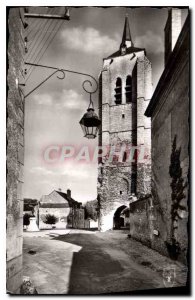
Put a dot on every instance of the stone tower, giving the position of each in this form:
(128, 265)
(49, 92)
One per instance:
(125, 90)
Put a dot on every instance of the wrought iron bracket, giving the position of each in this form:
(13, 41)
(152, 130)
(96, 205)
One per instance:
(63, 72)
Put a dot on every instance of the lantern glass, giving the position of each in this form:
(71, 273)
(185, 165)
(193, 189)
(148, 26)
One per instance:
(90, 124)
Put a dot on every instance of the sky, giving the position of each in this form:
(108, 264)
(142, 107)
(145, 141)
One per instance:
(53, 111)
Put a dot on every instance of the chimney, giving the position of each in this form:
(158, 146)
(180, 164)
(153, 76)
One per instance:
(172, 31)
(69, 194)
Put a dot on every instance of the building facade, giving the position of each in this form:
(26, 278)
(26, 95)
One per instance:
(125, 91)
(15, 148)
(67, 211)
(169, 113)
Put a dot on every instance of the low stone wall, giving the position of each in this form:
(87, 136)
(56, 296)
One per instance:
(147, 224)
(140, 225)
(151, 225)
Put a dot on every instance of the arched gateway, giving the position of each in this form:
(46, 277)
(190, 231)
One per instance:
(121, 217)
(125, 91)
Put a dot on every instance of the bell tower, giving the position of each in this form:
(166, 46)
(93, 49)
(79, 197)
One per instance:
(125, 89)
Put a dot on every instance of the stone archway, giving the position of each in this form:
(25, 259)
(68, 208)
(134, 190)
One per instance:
(118, 219)
(112, 195)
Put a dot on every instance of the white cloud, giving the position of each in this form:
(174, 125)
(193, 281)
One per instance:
(43, 99)
(68, 99)
(88, 40)
(152, 42)
(70, 169)
(73, 100)
(80, 171)
(41, 171)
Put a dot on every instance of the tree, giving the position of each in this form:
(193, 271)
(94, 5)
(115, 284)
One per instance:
(91, 210)
(50, 219)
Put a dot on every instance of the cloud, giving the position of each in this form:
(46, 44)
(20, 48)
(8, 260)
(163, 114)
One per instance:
(152, 42)
(68, 99)
(43, 99)
(73, 170)
(73, 100)
(41, 171)
(88, 40)
(77, 177)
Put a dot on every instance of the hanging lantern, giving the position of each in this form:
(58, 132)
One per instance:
(90, 124)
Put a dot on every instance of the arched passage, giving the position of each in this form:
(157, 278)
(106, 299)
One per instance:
(120, 217)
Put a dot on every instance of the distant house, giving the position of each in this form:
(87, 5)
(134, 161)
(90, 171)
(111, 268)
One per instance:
(69, 213)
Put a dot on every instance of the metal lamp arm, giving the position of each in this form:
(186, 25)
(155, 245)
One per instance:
(63, 72)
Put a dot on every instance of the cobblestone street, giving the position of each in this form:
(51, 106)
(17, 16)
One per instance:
(87, 262)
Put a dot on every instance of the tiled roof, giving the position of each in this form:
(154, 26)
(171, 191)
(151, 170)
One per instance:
(52, 200)
(70, 200)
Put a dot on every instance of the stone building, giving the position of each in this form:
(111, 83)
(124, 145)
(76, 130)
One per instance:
(68, 212)
(169, 113)
(125, 90)
(15, 148)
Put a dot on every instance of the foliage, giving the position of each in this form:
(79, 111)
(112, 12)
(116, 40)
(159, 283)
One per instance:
(91, 210)
(50, 219)
(177, 186)
(26, 219)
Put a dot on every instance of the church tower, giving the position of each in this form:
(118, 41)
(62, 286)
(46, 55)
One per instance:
(125, 89)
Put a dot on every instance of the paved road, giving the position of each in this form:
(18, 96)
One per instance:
(83, 262)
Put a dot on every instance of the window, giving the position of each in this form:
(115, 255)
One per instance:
(118, 91)
(128, 89)
(133, 183)
(125, 156)
(121, 192)
(123, 116)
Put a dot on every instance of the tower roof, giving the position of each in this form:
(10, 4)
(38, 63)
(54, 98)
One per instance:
(126, 43)
(126, 33)
(129, 51)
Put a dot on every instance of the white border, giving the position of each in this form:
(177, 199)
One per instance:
(3, 5)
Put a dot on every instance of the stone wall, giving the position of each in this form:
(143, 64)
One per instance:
(169, 111)
(176, 107)
(140, 220)
(15, 150)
